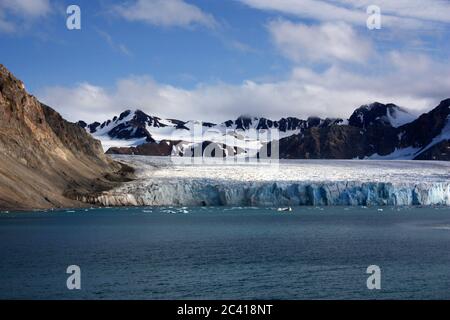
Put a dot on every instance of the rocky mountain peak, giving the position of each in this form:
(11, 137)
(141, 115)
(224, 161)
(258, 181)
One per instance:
(9, 82)
(44, 157)
(379, 114)
(17, 104)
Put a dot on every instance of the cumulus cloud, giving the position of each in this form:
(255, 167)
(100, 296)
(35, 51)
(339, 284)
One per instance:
(414, 81)
(26, 10)
(165, 13)
(325, 42)
(398, 13)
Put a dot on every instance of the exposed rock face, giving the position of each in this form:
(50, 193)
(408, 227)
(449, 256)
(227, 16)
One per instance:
(164, 148)
(421, 132)
(440, 151)
(44, 159)
(336, 142)
(339, 142)
(180, 148)
(376, 130)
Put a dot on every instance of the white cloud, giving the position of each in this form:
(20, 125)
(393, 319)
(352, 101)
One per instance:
(317, 9)
(415, 82)
(119, 47)
(396, 13)
(84, 101)
(26, 10)
(5, 25)
(429, 10)
(166, 13)
(33, 8)
(329, 41)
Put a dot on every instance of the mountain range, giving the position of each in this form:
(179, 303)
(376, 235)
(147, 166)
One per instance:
(48, 162)
(374, 131)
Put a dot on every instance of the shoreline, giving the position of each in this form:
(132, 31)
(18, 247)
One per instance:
(103, 183)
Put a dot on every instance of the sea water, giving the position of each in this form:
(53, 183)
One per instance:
(226, 253)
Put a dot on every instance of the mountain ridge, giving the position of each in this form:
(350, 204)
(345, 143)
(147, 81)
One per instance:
(374, 130)
(45, 160)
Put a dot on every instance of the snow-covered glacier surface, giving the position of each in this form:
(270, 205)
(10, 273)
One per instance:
(179, 182)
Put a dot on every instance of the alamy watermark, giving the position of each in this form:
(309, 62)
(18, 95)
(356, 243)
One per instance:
(374, 20)
(73, 21)
(206, 144)
(74, 280)
(374, 280)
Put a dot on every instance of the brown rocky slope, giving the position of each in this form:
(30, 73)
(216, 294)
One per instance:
(46, 161)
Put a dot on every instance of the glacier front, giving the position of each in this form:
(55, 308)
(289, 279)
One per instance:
(163, 181)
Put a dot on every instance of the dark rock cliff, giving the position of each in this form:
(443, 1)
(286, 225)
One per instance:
(45, 161)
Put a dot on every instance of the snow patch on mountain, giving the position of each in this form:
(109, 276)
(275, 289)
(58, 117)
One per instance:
(399, 154)
(410, 153)
(444, 135)
(399, 116)
(107, 142)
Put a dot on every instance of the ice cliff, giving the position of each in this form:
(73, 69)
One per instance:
(203, 193)
(371, 183)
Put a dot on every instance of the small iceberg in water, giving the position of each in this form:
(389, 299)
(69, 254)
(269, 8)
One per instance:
(287, 209)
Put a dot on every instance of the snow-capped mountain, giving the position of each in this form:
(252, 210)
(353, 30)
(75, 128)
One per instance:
(373, 131)
(135, 129)
(381, 114)
(377, 131)
(426, 138)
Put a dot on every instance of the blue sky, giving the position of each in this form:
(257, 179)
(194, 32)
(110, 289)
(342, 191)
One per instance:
(107, 48)
(217, 59)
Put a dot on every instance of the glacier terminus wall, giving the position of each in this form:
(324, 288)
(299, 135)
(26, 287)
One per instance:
(163, 182)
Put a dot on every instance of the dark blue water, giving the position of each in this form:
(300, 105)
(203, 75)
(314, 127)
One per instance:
(217, 253)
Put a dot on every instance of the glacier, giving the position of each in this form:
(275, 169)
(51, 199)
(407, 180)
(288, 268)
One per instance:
(163, 181)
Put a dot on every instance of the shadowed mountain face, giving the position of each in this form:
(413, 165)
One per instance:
(44, 160)
(379, 114)
(378, 131)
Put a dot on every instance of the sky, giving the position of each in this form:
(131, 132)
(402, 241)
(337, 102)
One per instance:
(215, 60)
